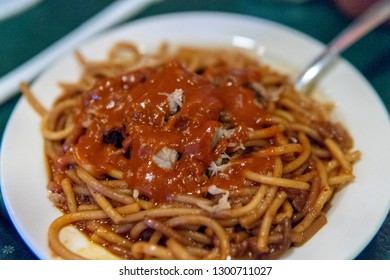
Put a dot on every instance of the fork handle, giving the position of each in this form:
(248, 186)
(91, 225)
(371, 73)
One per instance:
(375, 15)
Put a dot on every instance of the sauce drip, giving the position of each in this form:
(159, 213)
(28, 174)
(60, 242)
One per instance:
(164, 127)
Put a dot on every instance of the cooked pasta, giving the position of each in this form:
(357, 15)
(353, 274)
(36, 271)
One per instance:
(190, 153)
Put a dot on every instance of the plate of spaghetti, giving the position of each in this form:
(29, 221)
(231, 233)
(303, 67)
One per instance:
(181, 136)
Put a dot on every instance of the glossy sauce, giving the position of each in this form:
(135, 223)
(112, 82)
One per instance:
(127, 121)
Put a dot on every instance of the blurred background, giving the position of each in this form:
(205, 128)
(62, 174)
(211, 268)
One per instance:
(26, 32)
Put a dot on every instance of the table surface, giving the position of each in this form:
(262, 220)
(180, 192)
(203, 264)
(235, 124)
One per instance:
(28, 33)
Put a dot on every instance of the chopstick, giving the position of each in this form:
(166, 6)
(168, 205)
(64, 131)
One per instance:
(115, 13)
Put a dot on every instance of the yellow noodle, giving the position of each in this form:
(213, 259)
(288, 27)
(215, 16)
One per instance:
(265, 132)
(295, 164)
(280, 182)
(66, 219)
(54, 135)
(338, 154)
(34, 102)
(179, 251)
(140, 249)
(70, 198)
(112, 237)
(262, 242)
(201, 220)
(279, 150)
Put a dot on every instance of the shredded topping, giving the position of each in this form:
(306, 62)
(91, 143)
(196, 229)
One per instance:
(223, 202)
(175, 100)
(214, 168)
(135, 193)
(165, 158)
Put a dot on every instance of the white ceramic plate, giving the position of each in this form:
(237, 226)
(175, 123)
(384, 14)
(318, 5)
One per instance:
(358, 211)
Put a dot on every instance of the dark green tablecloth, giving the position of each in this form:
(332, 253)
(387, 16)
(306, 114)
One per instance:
(26, 34)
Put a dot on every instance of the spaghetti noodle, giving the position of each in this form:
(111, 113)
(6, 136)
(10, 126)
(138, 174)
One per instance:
(191, 154)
